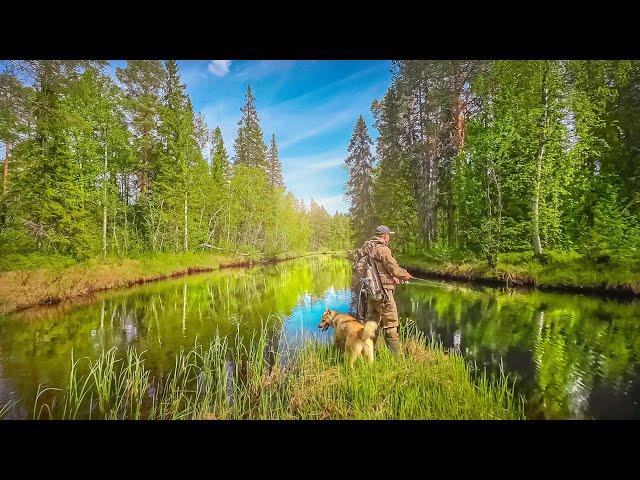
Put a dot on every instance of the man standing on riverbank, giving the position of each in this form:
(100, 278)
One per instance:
(385, 312)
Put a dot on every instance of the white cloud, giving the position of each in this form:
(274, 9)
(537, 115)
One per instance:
(219, 67)
(257, 69)
(301, 167)
(295, 124)
(318, 92)
(336, 203)
(330, 123)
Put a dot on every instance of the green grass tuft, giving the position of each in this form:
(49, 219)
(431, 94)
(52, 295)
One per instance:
(216, 381)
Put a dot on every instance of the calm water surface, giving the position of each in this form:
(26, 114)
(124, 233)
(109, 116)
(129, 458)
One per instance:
(571, 356)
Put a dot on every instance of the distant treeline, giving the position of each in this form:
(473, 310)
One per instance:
(476, 158)
(94, 166)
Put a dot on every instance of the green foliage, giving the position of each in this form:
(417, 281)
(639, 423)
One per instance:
(274, 167)
(393, 194)
(615, 233)
(249, 146)
(100, 169)
(360, 185)
(477, 159)
(473, 160)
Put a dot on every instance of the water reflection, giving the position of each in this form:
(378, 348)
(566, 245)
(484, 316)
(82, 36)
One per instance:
(572, 356)
(304, 319)
(560, 348)
(161, 318)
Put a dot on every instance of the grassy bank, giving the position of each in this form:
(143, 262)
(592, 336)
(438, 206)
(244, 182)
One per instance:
(210, 382)
(36, 280)
(557, 271)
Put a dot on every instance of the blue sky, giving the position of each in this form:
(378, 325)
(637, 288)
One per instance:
(311, 106)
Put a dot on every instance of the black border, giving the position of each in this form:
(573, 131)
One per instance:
(408, 436)
(314, 31)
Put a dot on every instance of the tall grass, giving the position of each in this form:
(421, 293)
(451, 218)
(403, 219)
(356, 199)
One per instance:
(258, 381)
(6, 407)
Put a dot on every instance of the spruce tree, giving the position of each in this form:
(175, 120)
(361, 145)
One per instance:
(52, 196)
(393, 196)
(220, 201)
(219, 159)
(177, 179)
(14, 121)
(360, 185)
(143, 82)
(274, 165)
(249, 145)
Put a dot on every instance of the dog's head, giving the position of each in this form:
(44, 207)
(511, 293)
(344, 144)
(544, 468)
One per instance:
(327, 320)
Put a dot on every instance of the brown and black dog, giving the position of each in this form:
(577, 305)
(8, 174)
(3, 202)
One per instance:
(350, 335)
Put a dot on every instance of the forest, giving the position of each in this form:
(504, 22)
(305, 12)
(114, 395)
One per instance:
(512, 173)
(99, 168)
(483, 163)
(534, 160)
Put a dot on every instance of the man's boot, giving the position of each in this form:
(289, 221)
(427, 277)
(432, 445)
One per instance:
(393, 340)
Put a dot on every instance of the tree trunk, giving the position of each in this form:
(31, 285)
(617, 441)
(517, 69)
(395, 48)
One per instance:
(186, 223)
(537, 245)
(104, 205)
(184, 308)
(228, 215)
(126, 231)
(115, 233)
(144, 171)
(5, 175)
(458, 109)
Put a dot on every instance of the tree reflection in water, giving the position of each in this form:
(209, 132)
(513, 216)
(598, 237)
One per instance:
(572, 356)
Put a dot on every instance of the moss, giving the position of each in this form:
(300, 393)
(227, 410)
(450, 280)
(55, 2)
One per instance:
(558, 270)
(59, 278)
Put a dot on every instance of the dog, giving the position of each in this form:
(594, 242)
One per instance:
(350, 335)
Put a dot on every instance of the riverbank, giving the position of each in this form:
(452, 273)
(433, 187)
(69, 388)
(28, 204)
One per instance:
(557, 272)
(47, 280)
(215, 381)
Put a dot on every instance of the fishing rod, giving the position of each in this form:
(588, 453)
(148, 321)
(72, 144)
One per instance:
(424, 280)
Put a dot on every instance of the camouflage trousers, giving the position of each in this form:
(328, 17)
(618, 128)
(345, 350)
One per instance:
(385, 314)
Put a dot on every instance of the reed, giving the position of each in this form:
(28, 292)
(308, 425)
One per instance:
(264, 379)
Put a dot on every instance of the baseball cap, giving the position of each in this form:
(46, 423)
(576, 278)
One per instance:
(382, 229)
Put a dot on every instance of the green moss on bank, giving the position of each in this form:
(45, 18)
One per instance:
(566, 270)
(36, 280)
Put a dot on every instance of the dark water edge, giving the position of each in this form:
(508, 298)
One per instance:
(622, 292)
(571, 356)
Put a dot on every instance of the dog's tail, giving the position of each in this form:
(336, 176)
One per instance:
(369, 330)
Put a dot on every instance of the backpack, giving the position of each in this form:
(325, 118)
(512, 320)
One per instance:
(367, 278)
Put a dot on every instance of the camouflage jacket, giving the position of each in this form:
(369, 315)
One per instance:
(386, 264)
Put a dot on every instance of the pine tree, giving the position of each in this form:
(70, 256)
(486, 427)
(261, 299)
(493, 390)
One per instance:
(274, 166)
(249, 146)
(360, 183)
(393, 184)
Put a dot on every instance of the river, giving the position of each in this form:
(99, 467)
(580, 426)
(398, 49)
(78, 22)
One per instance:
(571, 356)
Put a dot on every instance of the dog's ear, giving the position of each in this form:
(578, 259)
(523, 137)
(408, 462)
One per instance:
(327, 310)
